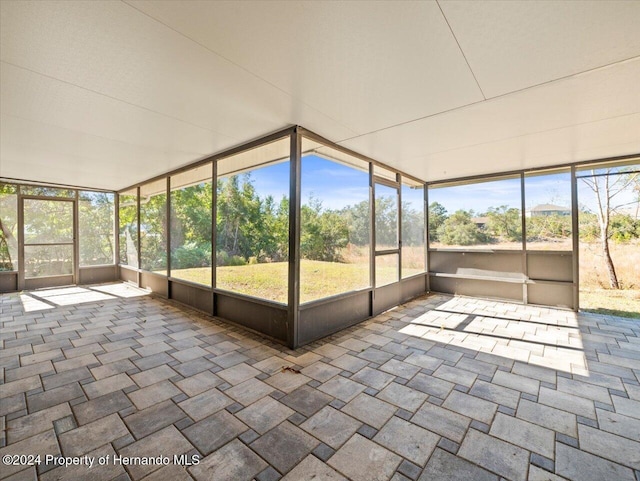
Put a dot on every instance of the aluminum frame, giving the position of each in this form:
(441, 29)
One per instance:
(80, 274)
(39, 282)
(465, 284)
(289, 323)
(397, 186)
(221, 299)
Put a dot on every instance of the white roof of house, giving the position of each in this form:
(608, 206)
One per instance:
(549, 207)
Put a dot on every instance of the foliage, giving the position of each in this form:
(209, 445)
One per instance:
(386, 222)
(153, 232)
(96, 239)
(128, 230)
(48, 222)
(548, 227)
(191, 214)
(412, 226)
(505, 223)
(437, 216)
(324, 233)
(624, 228)
(96, 216)
(357, 220)
(606, 186)
(588, 226)
(8, 227)
(459, 229)
(191, 255)
(248, 226)
(224, 259)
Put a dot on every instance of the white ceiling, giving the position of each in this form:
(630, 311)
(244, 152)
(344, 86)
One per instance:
(105, 94)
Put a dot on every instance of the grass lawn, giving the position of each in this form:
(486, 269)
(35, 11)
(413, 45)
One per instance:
(269, 281)
(593, 280)
(323, 279)
(624, 303)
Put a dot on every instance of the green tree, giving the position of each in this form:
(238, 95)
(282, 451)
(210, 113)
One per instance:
(238, 217)
(48, 222)
(324, 233)
(544, 227)
(412, 226)
(624, 228)
(96, 236)
(358, 219)
(588, 225)
(153, 232)
(128, 229)
(459, 229)
(8, 227)
(249, 227)
(437, 217)
(191, 226)
(505, 222)
(191, 214)
(386, 222)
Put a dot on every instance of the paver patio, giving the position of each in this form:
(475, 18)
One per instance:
(439, 388)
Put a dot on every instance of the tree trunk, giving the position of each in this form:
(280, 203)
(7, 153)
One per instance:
(604, 212)
(4, 240)
(611, 271)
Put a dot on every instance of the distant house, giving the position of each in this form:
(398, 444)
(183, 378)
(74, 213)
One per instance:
(548, 209)
(481, 222)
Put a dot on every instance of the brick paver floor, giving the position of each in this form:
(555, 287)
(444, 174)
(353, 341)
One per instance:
(441, 388)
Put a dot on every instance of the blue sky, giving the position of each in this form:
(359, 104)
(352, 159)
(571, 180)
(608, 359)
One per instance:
(334, 184)
(548, 189)
(337, 186)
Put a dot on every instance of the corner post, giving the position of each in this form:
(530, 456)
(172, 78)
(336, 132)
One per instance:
(295, 164)
(575, 237)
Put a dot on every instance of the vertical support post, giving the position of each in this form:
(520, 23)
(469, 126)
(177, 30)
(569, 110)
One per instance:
(21, 265)
(523, 229)
(76, 238)
(138, 241)
(214, 232)
(426, 237)
(295, 164)
(575, 237)
(116, 233)
(372, 238)
(168, 234)
(399, 181)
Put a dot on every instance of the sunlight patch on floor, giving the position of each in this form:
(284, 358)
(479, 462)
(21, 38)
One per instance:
(69, 296)
(31, 304)
(42, 299)
(121, 290)
(535, 335)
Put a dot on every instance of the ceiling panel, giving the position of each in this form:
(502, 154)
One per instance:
(595, 140)
(113, 49)
(41, 152)
(367, 64)
(609, 92)
(512, 45)
(46, 100)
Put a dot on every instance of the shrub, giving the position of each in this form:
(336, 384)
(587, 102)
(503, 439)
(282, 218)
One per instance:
(459, 229)
(224, 259)
(191, 255)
